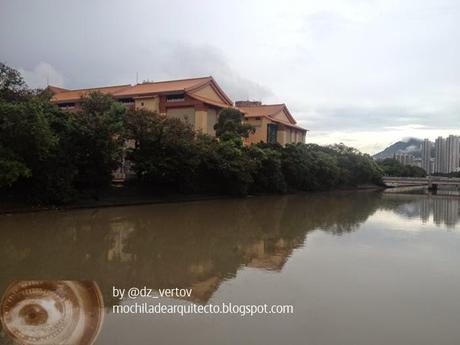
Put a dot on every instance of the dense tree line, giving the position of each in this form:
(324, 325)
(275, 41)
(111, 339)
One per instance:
(52, 156)
(169, 155)
(391, 167)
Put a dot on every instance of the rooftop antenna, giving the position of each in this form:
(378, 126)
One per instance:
(137, 77)
(47, 79)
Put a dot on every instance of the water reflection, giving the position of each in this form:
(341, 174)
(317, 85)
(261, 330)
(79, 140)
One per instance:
(200, 245)
(195, 245)
(439, 209)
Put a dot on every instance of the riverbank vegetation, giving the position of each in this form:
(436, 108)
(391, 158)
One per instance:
(52, 156)
(391, 167)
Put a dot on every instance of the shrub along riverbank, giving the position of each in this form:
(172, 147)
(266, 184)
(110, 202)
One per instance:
(49, 156)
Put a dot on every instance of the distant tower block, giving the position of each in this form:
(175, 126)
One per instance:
(426, 156)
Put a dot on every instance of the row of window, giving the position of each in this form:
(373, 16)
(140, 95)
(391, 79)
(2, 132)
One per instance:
(129, 101)
(180, 97)
(67, 105)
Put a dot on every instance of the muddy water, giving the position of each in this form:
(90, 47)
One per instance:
(357, 267)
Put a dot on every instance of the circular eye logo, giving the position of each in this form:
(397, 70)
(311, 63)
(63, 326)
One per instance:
(52, 312)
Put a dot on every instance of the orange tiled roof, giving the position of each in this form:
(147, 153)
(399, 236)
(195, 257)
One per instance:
(164, 86)
(181, 85)
(211, 101)
(262, 110)
(288, 124)
(75, 95)
(270, 110)
(55, 89)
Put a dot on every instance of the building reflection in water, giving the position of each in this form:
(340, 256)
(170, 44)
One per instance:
(440, 209)
(197, 245)
(188, 245)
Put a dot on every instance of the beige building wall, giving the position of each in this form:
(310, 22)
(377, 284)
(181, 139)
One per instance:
(300, 137)
(201, 121)
(212, 120)
(151, 104)
(185, 114)
(261, 130)
(282, 116)
(283, 135)
(209, 93)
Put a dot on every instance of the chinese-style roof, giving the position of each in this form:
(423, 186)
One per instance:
(164, 86)
(75, 95)
(211, 101)
(262, 110)
(55, 89)
(188, 86)
(270, 111)
(288, 124)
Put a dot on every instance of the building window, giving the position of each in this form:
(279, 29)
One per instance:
(66, 105)
(127, 101)
(272, 133)
(180, 97)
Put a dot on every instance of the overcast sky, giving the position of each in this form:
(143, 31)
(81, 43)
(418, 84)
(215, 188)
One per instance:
(365, 73)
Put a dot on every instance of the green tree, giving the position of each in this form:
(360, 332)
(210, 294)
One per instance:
(307, 167)
(267, 173)
(26, 139)
(391, 167)
(355, 168)
(230, 126)
(51, 156)
(165, 155)
(96, 140)
(228, 162)
(12, 85)
(170, 156)
(35, 162)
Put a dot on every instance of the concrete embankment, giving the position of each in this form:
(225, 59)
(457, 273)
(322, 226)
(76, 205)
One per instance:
(405, 189)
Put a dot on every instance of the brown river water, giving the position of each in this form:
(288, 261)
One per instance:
(357, 267)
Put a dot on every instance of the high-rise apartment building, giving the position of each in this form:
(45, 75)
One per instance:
(440, 155)
(404, 158)
(426, 155)
(453, 153)
(447, 154)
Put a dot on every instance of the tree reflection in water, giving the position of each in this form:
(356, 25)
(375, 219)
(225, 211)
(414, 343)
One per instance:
(183, 245)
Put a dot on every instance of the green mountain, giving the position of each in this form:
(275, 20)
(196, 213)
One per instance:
(409, 145)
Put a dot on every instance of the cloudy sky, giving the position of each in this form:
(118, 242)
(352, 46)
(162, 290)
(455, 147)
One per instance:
(365, 73)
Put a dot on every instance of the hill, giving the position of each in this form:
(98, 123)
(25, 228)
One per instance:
(410, 145)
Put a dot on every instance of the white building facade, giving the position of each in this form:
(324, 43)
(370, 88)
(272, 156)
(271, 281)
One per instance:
(447, 154)
(426, 156)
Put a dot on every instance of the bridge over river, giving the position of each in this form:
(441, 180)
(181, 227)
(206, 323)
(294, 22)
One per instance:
(432, 182)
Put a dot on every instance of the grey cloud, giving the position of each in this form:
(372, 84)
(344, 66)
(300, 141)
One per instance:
(180, 60)
(92, 48)
(348, 65)
(371, 118)
(171, 61)
(42, 75)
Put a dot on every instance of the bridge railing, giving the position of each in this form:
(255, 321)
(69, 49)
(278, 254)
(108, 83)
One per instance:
(428, 180)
